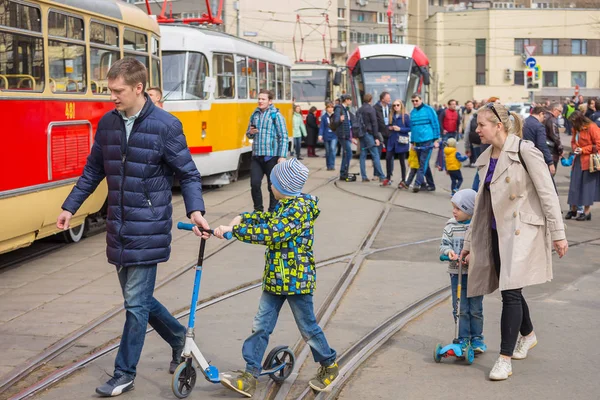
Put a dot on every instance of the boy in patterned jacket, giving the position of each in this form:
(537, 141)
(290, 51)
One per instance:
(453, 237)
(288, 233)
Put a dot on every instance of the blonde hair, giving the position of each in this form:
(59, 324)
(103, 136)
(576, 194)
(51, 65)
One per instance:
(402, 110)
(512, 122)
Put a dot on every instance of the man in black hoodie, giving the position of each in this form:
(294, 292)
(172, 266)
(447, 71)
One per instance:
(370, 138)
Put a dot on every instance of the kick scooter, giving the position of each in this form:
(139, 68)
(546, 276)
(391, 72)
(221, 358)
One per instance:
(455, 349)
(278, 364)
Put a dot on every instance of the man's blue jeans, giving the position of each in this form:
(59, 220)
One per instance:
(346, 157)
(367, 146)
(330, 150)
(471, 310)
(265, 320)
(424, 150)
(137, 285)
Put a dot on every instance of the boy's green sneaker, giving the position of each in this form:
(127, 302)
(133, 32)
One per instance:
(239, 381)
(325, 375)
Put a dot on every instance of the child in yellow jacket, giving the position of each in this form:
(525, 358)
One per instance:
(413, 164)
(453, 164)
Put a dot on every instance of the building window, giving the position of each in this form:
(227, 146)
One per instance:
(341, 13)
(550, 46)
(579, 47)
(520, 46)
(578, 78)
(381, 18)
(266, 44)
(354, 37)
(383, 39)
(519, 78)
(342, 36)
(480, 51)
(550, 78)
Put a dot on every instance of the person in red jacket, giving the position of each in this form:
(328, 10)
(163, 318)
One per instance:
(449, 121)
(449, 124)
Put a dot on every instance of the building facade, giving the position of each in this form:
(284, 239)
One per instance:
(481, 53)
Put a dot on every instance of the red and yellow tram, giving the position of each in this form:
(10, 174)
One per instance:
(54, 57)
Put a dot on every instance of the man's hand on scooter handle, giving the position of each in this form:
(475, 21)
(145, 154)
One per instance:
(197, 219)
(222, 230)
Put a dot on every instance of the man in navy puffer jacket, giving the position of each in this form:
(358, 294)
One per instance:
(138, 148)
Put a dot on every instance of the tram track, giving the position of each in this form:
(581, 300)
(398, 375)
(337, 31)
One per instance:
(25, 370)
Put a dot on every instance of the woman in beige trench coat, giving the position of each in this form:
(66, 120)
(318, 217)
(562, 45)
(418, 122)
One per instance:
(516, 222)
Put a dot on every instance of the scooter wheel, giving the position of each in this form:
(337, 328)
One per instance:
(437, 357)
(470, 355)
(184, 380)
(278, 357)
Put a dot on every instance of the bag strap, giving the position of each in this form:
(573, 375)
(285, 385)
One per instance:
(521, 157)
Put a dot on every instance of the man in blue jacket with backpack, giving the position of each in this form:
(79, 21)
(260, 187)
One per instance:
(425, 131)
(138, 148)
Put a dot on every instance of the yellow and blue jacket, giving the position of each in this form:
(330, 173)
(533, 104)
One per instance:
(288, 233)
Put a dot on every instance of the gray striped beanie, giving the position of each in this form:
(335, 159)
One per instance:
(289, 176)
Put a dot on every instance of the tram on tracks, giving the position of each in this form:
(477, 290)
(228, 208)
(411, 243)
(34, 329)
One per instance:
(54, 57)
(211, 83)
(400, 69)
(315, 83)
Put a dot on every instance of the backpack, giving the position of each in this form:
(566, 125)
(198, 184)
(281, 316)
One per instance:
(473, 136)
(332, 125)
(359, 125)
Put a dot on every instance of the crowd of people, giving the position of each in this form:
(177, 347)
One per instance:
(505, 233)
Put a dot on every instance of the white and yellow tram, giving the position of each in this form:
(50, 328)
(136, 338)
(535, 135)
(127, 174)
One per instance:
(211, 83)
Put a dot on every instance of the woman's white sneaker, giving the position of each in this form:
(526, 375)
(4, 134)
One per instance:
(502, 369)
(524, 344)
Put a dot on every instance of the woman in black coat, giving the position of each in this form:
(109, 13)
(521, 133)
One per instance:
(312, 131)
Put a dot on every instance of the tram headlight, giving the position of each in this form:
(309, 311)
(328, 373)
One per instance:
(203, 129)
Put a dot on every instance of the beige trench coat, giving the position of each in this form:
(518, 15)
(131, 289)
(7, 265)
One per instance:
(528, 219)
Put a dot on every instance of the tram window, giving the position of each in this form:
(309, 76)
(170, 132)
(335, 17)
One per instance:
(272, 78)
(252, 78)
(262, 75)
(242, 77)
(224, 70)
(174, 71)
(196, 76)
(100, 62)
(21, 62)
(280, 94)
(135, 41)
(103, 34)
(288, 83)
(65, 26)
(155, 75)
(21, 16)
(67, 67)
(155, 46)
(142, 59)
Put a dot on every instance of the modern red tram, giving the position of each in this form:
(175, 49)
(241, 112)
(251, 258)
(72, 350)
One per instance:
(400, 69)
(54, 57)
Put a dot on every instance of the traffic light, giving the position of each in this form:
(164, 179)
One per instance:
(532, 80)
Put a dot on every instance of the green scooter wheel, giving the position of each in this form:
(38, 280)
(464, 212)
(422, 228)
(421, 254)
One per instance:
(437, 357)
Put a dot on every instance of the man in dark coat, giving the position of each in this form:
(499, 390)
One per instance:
(343, 121)
(370, 138)
(534, 130)
(138, 148)
(383, 108)
(552, 135)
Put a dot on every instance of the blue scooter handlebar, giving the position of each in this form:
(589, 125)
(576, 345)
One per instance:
(188, 227)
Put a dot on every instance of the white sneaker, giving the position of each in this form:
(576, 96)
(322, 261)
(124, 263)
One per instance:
(524, 344)
(502, 369)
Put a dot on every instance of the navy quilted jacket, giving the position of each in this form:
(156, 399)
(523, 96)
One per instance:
(139, 174)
